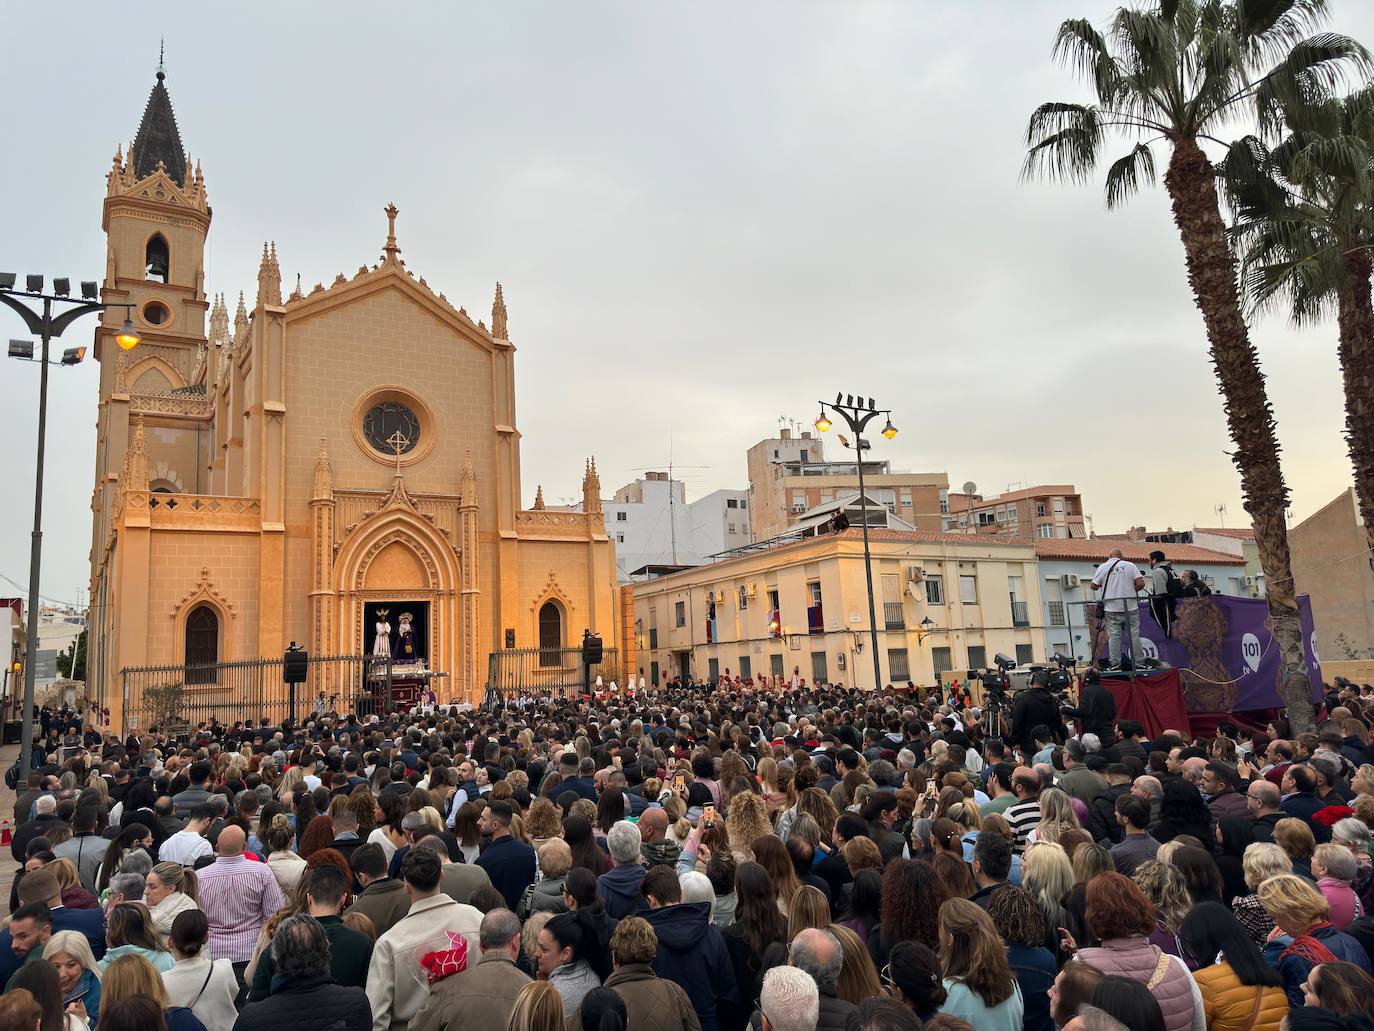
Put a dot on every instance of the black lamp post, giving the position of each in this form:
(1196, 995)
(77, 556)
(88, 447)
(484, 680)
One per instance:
(46, 325)
(858, 415)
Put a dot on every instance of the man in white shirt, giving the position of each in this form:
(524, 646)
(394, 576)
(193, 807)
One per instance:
(1119, 580)
(189, 844)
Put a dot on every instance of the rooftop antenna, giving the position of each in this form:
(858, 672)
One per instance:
(161, 54)
(1220, 510)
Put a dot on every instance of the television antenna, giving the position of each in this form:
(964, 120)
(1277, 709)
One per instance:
(1220, 511)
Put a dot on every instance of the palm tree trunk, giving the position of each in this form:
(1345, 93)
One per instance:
(1355, 319)
(1191, 183)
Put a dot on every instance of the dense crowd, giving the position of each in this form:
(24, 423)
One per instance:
(704, 859)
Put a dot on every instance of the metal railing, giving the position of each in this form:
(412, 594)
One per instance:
(545, 672)
(184, 696)
(1020, 613)
(893, 617)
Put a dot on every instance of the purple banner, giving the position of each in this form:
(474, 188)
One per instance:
(1224, 651)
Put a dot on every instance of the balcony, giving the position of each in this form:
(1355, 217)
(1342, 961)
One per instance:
(893, 619)
(1020, 613)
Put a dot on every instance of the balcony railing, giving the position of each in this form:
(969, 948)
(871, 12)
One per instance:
(893, 618)
(1020, 613)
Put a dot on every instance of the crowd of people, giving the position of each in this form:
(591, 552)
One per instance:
(707, 859)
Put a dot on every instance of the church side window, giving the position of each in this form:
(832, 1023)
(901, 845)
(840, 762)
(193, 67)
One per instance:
(157, 259)
(202, 645)
(550, 635)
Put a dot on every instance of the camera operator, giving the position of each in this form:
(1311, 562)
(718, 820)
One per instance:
(1035, 707)
(1096, 708)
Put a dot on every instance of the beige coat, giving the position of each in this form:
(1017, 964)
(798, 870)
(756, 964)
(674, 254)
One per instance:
(482, 996)
(397, 987)
(652, 1003)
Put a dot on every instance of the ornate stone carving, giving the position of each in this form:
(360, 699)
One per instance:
(406, 538)
(203, 590)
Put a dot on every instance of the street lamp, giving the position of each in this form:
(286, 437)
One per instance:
(47, 326)
(859, 414)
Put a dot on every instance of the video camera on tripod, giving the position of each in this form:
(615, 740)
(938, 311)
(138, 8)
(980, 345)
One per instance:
(1061, 677)
(996, 681)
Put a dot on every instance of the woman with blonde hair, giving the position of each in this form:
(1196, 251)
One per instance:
(809, 909)
(858, 976)
(1298, 909)
(1262, 860)
(538, 1007)
(69, 881)
(131, 976)
(1048, 875)
(287, 867)
(78, 974)
(980, 986)
(1165, 888)
(1056, 816)
(291, 783)
(1295, 837)
(746, 820)
(170, 890)
(542, 823)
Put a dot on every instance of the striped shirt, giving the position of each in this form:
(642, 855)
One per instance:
(1024, 817)
(237, 896)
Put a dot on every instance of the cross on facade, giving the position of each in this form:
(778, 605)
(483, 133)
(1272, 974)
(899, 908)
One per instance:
(399, 443)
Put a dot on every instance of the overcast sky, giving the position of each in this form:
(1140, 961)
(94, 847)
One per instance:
(705, 217)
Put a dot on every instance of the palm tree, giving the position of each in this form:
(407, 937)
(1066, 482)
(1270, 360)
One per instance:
(1176, 73)
(1305, 218)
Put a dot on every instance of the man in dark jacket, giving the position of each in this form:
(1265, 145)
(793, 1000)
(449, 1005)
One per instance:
(1102, 822)
(508, 861)
(691, 951)
(618, 887)
(819, 953)
(1034, 708)
(1096, 708)
(350, 951)
(1263, 800)
(1300, 799)
(304, 997)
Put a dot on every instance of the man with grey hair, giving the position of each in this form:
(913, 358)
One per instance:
(789, 1001)
(483, 995)
(819, 953)
(618, 887)
(415, 827)
(1077, 781)
(305, 998)
(1151, 790)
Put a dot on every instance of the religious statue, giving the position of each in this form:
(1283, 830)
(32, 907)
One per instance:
(381, 644)
(404, 651)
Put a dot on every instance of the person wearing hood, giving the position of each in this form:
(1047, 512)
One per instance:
(546, 894)
(619, 886)
(656, 848)
(691, 951)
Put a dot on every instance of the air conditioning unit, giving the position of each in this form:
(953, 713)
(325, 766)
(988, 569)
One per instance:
(1070, 581)
(915, 574)
(1249, 581)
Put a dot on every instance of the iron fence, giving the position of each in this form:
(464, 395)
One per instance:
(545, 672)
(181, 697)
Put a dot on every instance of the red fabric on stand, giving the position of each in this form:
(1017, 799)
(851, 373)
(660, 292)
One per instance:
(1154, 700)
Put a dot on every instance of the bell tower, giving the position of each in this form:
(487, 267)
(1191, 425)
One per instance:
(155, 219)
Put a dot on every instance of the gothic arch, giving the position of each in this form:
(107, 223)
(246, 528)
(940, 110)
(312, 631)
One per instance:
(373, 535)
(204, 593)
(151, 363)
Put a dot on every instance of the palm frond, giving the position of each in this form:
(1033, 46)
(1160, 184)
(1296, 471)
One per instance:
(1082, 48)
(1063, 142)
(1311, 70)
(1270, 28)
(1146, 44)
(1343, 158)
(1125, 176)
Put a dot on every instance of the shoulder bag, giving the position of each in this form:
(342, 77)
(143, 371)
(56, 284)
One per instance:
(1101, 610)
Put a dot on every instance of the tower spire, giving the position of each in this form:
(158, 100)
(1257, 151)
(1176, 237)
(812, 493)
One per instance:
(158, 141)
(498, 316)
(391, 250)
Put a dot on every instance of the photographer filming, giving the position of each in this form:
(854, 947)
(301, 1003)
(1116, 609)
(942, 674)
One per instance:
(1096, 708)
(1034, 707)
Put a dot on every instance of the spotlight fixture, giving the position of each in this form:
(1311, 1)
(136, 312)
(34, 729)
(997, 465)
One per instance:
(849, 400)
(22, 349)
(73, 356)
(7, 280)
(90, 289)
(127, 337)
(35, 284)
(62, 286)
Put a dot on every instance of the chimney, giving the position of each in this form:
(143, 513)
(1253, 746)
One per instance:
(786, 434)
(806, 434)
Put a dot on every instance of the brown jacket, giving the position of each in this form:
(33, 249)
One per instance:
(1229, 1004)
(383, 902)
(652, 1003)
(460, 881)
(482, 996)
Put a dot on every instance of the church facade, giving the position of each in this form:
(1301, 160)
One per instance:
(273, 478)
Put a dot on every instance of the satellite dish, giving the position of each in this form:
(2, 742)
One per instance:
(970, 487)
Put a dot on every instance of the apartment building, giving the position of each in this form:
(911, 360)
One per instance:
(1049, 511)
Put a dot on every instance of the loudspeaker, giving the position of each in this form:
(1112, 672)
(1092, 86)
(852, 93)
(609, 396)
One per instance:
(295, 665)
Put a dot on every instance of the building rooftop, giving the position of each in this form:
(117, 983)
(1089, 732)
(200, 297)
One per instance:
(1098, 549)
(959, 502)
(1239, 533)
